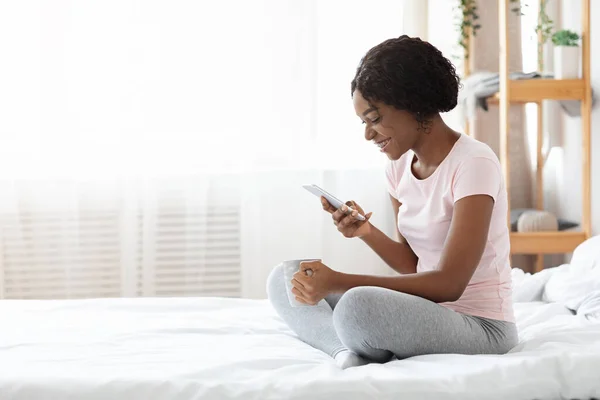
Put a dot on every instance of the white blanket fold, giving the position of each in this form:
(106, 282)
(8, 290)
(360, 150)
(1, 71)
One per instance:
(575, 286)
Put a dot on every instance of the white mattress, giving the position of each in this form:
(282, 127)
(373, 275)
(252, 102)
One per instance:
(199, 348)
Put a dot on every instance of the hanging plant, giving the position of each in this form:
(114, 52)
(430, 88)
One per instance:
(517, 8)
(468, 24)
(544, 30)
(545, 24)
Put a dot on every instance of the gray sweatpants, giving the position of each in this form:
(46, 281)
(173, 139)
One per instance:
(378, 323)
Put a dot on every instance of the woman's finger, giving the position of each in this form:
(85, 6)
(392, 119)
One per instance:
(301, 300)
(298, 293)
(341, 213)
(338, 215)
(327, 206)
(347, 220)
(306, 266)
(297, 283)
(355, 206)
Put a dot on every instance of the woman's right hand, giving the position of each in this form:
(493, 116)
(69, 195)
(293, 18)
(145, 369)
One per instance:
(346, 222)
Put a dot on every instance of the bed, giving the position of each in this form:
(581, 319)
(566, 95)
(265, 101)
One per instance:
(220, 348)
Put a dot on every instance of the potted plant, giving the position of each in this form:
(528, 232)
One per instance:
(566, 54)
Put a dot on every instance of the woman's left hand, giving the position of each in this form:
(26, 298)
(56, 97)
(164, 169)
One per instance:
(312, 289)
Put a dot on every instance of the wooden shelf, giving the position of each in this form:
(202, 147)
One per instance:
(545, 242)
(536, 90)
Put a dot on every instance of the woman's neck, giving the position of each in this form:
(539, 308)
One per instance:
(435, 145)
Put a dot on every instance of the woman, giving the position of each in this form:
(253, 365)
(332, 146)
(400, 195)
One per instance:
(453, 291)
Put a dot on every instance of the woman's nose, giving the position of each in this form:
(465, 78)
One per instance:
(369, 133)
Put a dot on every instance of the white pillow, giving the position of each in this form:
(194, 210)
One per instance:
(590, 306)
(527, 287)
(587, 254)
(572, 284)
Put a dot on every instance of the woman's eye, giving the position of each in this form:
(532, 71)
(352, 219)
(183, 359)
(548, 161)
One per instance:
(376, 120)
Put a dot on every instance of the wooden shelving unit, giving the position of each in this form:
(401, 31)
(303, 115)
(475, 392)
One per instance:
(545, 242)
(535, 91)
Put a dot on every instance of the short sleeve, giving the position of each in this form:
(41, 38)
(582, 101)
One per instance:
(391, 174)
(477, 175)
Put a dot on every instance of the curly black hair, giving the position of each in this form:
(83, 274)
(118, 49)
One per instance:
(408, 74)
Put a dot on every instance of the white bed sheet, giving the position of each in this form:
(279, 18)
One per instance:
(215, 348)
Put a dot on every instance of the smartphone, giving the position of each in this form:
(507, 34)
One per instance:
(334, 201)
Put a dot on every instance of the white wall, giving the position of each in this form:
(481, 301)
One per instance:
(281, 221)
(568, 157)
(443, 34)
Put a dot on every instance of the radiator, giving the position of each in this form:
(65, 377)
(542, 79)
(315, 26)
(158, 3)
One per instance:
(170, 251)
(198, 253)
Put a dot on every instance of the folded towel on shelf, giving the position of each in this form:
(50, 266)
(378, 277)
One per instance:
(480, 85)
(477, 87)
(573, 107)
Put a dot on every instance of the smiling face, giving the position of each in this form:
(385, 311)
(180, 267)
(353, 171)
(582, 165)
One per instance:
(397, 80)
(393, 131)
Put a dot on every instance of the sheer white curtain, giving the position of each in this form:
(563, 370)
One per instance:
(158, 147)
(154, 87)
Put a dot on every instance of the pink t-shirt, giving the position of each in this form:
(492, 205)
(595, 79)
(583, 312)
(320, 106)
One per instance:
(425, 213)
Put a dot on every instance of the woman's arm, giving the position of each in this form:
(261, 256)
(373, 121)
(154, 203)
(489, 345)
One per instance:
(397, 254)
(462, 252)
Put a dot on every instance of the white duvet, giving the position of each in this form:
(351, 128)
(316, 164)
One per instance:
(210, 348)
(222, 349)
